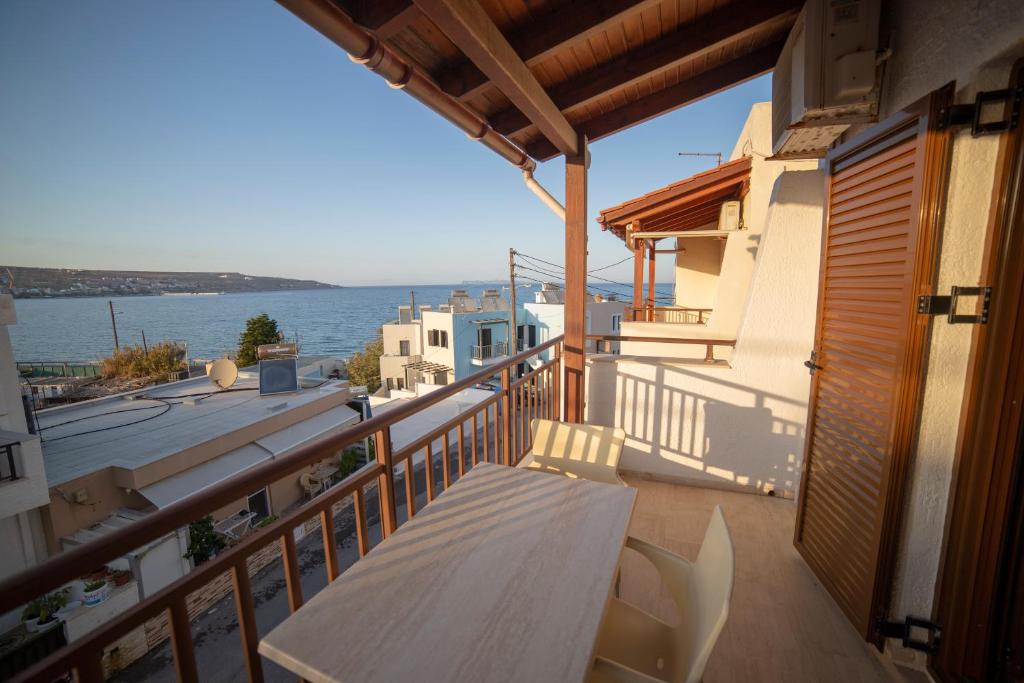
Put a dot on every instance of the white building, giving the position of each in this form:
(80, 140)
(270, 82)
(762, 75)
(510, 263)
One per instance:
(23, 490)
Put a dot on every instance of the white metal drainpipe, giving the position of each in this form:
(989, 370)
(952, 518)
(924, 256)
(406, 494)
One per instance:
(543, 194)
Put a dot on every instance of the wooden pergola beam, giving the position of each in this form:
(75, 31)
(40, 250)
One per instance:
(467, 25)
(705, 84)
(692, 41)
(572, 23)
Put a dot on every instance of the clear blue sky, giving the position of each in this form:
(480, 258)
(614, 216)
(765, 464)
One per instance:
(228, 135)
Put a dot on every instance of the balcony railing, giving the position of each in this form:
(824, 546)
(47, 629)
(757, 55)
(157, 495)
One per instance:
(604, 343)
(494, 430)
(671, 314)
(489, 351)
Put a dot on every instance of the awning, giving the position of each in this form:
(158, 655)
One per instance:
(689, 204)
(490, 321)
(195, 479)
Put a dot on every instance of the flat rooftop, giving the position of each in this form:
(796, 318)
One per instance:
(140, 428)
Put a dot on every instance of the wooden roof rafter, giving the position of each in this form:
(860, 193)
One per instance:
(536, 76)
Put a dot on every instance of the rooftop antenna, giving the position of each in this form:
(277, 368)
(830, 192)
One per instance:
(717, 155)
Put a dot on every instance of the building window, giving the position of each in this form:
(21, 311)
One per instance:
(532, 335)
(258, 504)
(437, 338)
(399, 383)
(616, 321)
(403, 347)
(440, 378)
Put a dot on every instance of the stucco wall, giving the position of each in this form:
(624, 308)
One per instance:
(741, 425)
(697, 271)
(971, 180)
(739, 253)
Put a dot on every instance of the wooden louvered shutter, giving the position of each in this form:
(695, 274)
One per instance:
(878, 255)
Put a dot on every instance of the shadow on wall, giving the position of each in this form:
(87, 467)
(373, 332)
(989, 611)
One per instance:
(712, 429)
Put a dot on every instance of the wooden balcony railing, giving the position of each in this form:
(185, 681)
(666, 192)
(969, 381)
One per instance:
(605, 341)
(671, 314)
(494, 430)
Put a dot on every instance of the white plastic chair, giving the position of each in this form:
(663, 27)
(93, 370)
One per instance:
(574, 450)
(635, 646)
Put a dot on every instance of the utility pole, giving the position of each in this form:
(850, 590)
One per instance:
(412, 305)
(514, 334)
(113, 324)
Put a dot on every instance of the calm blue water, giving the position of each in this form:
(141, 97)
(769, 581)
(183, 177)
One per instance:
(334, 321)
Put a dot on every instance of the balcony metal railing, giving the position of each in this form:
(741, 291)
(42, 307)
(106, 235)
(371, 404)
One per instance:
(498, 430)
(671, 314)
(489, 351)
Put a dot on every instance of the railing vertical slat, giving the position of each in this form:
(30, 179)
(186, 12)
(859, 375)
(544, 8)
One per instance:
(558, 382)
(330, 544)
(506, 421)
(487, 433)
(475, 458)
(292, 577)
(428, 463)
(386, 482)
(181, 642)
(462, 444)
(446, 475)
(362, 533)
(247, 620)
(410, 489)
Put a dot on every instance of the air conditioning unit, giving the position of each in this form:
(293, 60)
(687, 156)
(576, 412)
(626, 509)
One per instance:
(729, 216)
(827, 77)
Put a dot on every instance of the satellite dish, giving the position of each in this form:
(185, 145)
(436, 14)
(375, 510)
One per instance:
(223, 373)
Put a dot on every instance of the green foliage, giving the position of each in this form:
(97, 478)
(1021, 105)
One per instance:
(94, 585)
(266, 521)
(135, 362)
(259, 330)
(348, 463)
(364, 368)
(203, 541)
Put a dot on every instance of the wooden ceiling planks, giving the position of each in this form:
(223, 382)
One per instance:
(598, 65)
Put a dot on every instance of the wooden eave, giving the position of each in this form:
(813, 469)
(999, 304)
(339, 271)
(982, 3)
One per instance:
(688, 204)
(534, 71)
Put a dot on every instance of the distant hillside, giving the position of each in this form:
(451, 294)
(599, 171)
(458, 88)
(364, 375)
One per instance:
(50, 282)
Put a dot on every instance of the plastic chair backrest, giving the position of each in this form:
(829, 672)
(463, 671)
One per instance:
(710, 591)
(583, 451)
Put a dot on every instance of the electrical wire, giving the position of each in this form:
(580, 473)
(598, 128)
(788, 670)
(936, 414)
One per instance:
(167, 405)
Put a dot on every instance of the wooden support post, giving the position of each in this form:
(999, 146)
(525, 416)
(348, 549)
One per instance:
(638, 274)
(575, 282)
(650, 280)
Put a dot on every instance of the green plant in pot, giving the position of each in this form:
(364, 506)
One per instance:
(49, 605)
(95, 592)
(30, 615)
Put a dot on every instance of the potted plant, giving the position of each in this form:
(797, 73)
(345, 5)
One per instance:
(49, 605)
(95, 592)
(30, 615)
(121, 576)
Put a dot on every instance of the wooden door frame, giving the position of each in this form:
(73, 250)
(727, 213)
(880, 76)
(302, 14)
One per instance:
(966, 594)
(933, 158)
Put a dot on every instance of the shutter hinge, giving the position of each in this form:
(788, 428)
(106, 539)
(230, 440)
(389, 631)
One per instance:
(932, 304)
(972, 114)
(904, 630)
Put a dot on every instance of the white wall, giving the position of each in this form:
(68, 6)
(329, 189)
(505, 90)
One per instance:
(739, 425)
(963, 232)
(697, 270)
(739, 253)
(438, 320)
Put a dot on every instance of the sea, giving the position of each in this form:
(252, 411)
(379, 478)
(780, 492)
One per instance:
(325, 321)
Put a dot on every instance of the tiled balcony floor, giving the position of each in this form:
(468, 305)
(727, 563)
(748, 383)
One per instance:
(782, 626)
